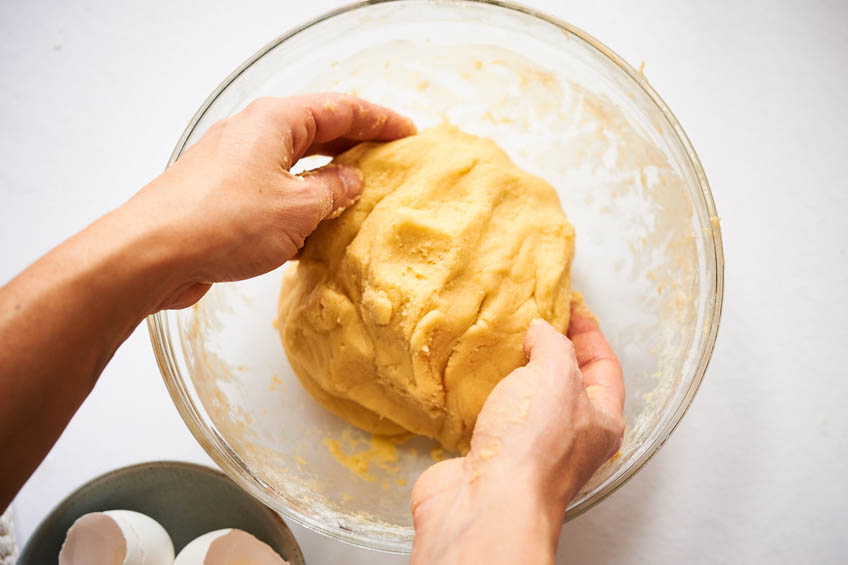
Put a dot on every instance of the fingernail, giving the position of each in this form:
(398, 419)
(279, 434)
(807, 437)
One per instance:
(352, 179)
(537, 322)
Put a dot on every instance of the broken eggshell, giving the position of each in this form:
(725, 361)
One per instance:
(116, 537)
(226, 546)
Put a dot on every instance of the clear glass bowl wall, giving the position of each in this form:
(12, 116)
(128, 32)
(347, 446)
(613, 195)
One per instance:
(564, 107)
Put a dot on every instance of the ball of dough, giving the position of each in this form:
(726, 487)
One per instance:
(407, 309)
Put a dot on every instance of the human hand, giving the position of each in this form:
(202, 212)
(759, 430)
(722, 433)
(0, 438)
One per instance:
(229, 209)
(542, 433)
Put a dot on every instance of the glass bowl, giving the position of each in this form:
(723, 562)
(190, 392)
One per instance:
(565, 107)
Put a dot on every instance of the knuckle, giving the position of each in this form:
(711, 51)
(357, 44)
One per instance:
(259, 106)
(218, 125)
(610, 424)
(614, 431)
(294, 240)
(301, 133)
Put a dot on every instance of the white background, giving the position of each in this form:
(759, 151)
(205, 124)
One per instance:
(94, 94)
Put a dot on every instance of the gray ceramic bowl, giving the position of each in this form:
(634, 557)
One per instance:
(187, 499)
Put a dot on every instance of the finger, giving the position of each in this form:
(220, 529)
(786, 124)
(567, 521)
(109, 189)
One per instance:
(315, 120)
(334, 186)
(342, 116)
(547, 350)
(332, 148)
(601, 369)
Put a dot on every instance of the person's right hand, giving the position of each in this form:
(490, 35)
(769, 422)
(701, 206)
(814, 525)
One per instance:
(229, 206)
(542, 433)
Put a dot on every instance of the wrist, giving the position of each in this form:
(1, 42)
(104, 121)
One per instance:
(138, 264)
(519, 496)
(496, 515)
(546, 480)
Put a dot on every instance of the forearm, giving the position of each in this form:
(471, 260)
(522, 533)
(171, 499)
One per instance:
(61, 321)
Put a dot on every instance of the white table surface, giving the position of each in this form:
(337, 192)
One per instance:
(94, 94)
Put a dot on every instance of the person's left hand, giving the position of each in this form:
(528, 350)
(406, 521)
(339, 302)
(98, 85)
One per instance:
(229, 209)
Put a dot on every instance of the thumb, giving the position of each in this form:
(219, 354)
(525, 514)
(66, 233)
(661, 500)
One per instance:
(547, 350)
(335, 186)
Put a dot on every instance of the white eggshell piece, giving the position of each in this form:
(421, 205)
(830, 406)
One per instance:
(151, 546)
(223, 547)
(195, 551)
(94, 539)
(116, 537)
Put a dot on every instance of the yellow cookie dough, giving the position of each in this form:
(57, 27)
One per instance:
(406, 310)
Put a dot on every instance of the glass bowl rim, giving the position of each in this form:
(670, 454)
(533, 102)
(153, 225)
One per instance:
(231, 463)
